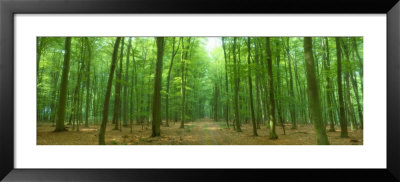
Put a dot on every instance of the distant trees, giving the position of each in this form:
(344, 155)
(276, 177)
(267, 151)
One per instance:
(266, 82)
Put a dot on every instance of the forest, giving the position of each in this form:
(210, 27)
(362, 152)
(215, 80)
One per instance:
(199, 90)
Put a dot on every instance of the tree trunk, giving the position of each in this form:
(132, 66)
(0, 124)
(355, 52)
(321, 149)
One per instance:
(174, 52)
(253, 119)
(278, 87)
(226, 85)
(271, 105)
(88, 82)
(108, 93)
(63, 87)
(125, 89)
(182, 85)
(77, 92)
(236, 91)
(313, 94)
(117, 101)
(155, 127)
(328, 85)
(343, 122)
(348, 74)
(292, 106)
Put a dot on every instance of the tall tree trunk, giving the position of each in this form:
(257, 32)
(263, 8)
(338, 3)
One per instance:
(329, 88)
(117, 101)
(183, 85)
(348, 74)
(271, 105)
(292, 106)
(226, 84)
(174, 52)
(108, 93)
(125, 88)
(259, 103)
(313, 94)
(216, 92)
(236, 91)
(253, 119)
(88, 82)
(343, 122)
(77, 92)
(155, 127)
(133, 88)
(278, 86)
(63, 87)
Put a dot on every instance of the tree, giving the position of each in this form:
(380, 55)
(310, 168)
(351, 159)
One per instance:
(117, 101)
(329, 88)
(236, 89)
(343, 122)
(155, 127)
(313, 94)
(108, 93)
(184, 56)
(253, 119)
(271, 105)
(174, 52)
(292, 106)
(88, 82)
(226, 84)
(125, 86)
(63, 87)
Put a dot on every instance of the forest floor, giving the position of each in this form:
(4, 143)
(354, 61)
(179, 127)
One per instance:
(204, 132)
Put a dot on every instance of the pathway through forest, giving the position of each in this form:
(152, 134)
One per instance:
(199, 132)
(206, 135)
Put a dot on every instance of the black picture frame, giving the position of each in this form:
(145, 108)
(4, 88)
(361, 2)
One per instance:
(9, 8)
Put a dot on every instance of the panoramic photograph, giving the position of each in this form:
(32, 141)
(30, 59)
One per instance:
(199, 91)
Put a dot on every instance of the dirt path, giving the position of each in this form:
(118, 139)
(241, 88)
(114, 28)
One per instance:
(206, 134)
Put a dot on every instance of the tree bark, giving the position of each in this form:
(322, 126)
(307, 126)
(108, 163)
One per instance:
(313, 94)
(253, 119)
(328, 85)
(292, 106)
(88, 83)
(343, 122)
(155, 127)
(117, 101)
(174, 52)
(63, 87)
(108, 93)
(125, 86)
(182, 85)
(271, 105)
(226, 84)
(236, 91)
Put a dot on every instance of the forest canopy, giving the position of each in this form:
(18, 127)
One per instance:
(200, 90)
